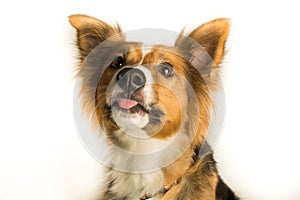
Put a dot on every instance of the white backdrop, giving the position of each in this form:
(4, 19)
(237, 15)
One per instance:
(41, 156)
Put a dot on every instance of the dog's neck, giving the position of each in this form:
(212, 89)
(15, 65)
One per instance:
(158, 183)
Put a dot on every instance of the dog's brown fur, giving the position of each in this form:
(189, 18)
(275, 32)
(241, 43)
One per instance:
(196, 176)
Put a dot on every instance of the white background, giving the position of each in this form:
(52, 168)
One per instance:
(41, 156)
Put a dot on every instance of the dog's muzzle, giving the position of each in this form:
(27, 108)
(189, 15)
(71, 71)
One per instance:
(132, 104)
(129, 80)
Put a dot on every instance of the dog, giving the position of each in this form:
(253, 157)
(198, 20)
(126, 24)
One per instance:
(153, 106)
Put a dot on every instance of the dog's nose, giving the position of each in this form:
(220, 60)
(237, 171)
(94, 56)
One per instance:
(131, 79)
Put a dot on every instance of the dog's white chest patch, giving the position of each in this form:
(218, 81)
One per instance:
(134, 186)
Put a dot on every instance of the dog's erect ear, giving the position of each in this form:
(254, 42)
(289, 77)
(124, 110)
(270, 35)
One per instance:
(212, 37)
(91, 32)
(205, 48)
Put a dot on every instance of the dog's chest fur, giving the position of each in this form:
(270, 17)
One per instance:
(122, 185)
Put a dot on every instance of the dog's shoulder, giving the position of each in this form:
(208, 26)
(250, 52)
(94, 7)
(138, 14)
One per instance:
(202, 182)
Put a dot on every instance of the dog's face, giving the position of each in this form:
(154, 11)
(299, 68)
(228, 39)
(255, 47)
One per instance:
(141, 92)
(146, 95)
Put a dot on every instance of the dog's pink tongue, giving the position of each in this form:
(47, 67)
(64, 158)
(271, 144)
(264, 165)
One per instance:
(127, 103)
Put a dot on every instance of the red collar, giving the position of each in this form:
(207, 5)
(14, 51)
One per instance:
(162, 191)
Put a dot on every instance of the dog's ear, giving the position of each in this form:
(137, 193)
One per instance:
(212, 37)
(91, 32)
(205, 48)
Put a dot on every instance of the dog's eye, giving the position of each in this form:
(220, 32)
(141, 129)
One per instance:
(166, 69)
(118, 62)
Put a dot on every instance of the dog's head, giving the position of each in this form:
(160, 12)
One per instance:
(157, 92)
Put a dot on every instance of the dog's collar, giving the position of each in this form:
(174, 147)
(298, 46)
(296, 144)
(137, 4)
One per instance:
(161, 191)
